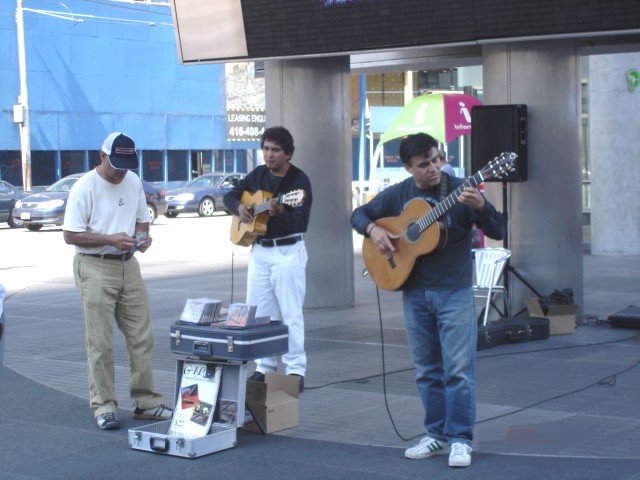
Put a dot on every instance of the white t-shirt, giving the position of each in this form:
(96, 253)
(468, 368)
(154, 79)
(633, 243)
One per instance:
(95, 205)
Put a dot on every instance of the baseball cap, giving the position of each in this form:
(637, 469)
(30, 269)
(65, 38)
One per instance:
(121, 150)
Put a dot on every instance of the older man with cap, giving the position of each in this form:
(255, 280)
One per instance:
(107, 220)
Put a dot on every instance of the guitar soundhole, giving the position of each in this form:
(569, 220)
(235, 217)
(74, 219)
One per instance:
(413, 233)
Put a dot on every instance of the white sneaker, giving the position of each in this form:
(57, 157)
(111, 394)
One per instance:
(107, 421)
(460, 455)
(427, 447)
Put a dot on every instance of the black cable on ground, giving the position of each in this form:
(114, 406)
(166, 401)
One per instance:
(608, 380)
(384, 375)
(232, 282)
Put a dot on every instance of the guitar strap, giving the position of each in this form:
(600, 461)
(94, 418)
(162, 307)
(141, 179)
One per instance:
(444, 191)
(444, 186)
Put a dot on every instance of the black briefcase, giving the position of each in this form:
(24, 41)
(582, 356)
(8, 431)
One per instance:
(230, 343)
(627, 318)
(512, 330)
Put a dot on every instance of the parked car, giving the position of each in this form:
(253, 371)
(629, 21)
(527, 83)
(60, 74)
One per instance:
(9, 195)
(156, 200)
(202, 195)
(48, 206)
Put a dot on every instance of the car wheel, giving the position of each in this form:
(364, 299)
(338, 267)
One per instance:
(152, 212)
(33, 227)
(171, 214)
(207, 207)
(12, 223)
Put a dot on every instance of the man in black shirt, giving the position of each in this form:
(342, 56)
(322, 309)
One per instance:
(276, 280)
(439, 308)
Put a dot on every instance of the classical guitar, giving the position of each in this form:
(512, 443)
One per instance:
(419, 232)
(245, 234)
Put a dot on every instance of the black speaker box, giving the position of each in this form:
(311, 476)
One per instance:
(496, 129)
(627, 318)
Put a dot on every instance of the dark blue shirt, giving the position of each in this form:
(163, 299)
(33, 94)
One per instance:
(449, 267)
(294, 219)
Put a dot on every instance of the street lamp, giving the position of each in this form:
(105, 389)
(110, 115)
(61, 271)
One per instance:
(21, 110)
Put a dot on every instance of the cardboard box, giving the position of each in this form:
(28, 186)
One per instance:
(562, 317)
(273, 403)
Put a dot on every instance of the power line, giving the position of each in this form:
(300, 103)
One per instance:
(80, 18)
(133, 2)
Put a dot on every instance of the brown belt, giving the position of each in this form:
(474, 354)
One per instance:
(109, 256)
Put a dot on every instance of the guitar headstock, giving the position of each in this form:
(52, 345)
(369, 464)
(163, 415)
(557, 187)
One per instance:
(295, 198)
(498, 166)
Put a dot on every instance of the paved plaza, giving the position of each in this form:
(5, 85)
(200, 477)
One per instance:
(566, 407)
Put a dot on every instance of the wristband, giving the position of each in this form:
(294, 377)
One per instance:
(371, 229)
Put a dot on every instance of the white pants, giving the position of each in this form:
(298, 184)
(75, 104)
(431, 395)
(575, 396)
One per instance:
(276, 283)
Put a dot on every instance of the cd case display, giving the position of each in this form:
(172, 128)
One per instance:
(201, 311)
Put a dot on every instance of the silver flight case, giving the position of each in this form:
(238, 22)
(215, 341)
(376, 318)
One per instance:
(222, 435)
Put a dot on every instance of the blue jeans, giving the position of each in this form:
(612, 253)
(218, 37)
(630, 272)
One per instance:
(442, 334)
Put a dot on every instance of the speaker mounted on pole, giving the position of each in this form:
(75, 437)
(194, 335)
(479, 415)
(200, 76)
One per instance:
(496, 129)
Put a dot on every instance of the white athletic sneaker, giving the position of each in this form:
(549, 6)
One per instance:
(427, 447)
(460, 455)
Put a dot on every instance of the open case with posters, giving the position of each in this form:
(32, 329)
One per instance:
(210, 401)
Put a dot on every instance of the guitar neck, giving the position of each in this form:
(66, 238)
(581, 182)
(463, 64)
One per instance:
(258, 209)
(263, 207)
(450, 200)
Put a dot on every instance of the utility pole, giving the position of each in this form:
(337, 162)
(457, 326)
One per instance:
(21, 110)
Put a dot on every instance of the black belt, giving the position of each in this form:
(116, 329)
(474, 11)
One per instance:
(108, 256)
(279, 242)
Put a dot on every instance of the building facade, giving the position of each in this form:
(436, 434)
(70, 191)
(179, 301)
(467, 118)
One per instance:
(97, 67)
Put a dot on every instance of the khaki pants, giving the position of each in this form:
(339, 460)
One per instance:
(114, 290)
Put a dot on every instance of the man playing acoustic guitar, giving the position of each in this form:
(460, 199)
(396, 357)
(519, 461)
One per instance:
(438, 302)
(276, 280)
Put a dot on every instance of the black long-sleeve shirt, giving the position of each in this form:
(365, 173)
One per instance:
(450, 267)
(294, 219)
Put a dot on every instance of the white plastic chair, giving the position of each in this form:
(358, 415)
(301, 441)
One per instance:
(489, 266)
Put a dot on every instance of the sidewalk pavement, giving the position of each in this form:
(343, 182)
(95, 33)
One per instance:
(562, 408)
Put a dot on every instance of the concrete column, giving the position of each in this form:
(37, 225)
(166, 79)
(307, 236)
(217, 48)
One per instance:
(312, 98)
(614, 155)
(545, 212)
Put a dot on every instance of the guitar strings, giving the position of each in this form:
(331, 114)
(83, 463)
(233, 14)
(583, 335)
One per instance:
(438, 210)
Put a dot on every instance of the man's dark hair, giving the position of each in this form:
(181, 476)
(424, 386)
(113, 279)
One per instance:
(281, 136)
(416, 144)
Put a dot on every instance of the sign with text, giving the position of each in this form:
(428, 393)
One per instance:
(245, 125)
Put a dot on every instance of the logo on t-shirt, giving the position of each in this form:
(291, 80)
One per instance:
(121, 202)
